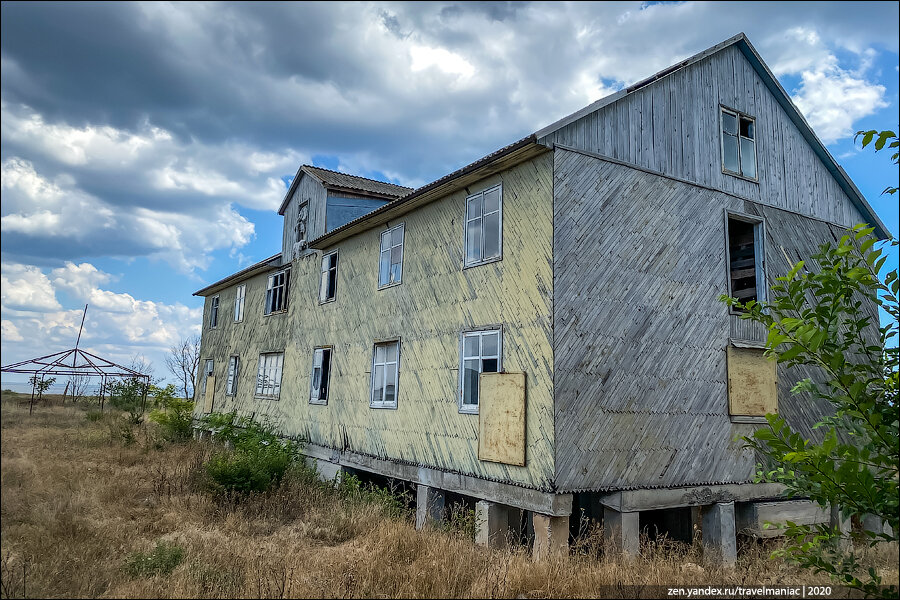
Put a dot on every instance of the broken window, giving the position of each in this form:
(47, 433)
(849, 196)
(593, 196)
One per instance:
(738, 143)
(231, 382)
(746, 279)
(268, 375)
(239, 294)
(480, 354)
(318, 388)
(213, 312)
(384, 375)
(207, 372)
(328, 283)
(276, 292)
(390, 263)
(484, 212)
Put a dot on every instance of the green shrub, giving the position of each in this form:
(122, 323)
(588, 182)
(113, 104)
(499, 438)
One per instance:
(127, 395)
(162, 560)
(174, 415)
(392, 501)
(93, 416)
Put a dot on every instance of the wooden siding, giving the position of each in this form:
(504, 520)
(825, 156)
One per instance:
(640, 337)
(672, 126)
(435, 302)
(308, 190)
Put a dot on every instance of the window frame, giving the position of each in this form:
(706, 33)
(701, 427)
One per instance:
(322, 272)
(759, 255)
(209, 365)
(318, 400)
(285, 285)
(214, 312)
(231, 375)
(256, 387)
(472, 409)
(402, 246)
(240, 298)
(738, 115)
(482, 260)
(382, 404)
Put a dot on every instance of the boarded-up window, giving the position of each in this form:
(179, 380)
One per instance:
(207, 373)
(481, 352)
(318, 387)
(328, 283)
(746, 277)
(751, 383)
(501, 420)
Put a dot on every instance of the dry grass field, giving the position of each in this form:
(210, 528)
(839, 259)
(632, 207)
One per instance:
(87, 513)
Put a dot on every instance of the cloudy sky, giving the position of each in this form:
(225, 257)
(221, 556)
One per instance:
(146, 146)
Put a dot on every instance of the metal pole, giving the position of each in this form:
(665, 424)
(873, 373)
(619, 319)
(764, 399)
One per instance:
(102, 386)
(77, 340)
(144, 396)
(31, 404)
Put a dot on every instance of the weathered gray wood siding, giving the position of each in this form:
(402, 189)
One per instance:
(639, 334)
(308, 190)
(672, 126)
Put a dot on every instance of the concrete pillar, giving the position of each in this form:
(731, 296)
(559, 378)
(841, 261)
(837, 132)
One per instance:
(551, 535)
(719, 540)
(492, 524)
(621, 532)
(842, 524)
(326, 470)
(429, 505)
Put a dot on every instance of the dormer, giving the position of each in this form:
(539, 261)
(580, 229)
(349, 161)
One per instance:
(320, 200)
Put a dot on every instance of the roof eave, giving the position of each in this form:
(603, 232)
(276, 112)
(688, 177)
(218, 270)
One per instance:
(273, 262)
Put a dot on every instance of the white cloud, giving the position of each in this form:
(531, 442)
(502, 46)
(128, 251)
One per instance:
(9, 332)
(24, 287)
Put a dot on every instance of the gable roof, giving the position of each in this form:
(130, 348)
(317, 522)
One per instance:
(255, 269)
(741, 42)
(336, 181)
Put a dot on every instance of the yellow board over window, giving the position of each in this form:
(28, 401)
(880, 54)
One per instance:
(501, 418)
(210, 390)
(751, 382)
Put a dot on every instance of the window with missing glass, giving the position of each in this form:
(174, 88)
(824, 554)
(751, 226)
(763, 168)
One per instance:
(240, 294)
(276, 292)
(390, 259)
(481, 351)
(213, 312)
(321, 370)
(484, 226)
(328, 281)
(385, 372)
(231, 382)
(738, 143)
(268, 375)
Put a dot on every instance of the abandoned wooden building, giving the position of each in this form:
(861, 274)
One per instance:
(540, 331)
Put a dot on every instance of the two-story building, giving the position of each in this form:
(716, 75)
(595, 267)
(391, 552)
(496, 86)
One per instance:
(540, 330)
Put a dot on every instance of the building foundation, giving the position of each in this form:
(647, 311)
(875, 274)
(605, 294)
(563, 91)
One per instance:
(719, 539)
(551, 536)
(429, 506)
(621, 532)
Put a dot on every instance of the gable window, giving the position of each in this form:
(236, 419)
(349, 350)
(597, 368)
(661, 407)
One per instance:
(390, 263)
(276, 292)
(318, 387)
(328, 283)
(480, 354)
(268, 375)
(746, 262)
(231, 382)
(207, 373)
(385, 370)
(240, 293)
(738, 143)
(484, 212)
(213, 312)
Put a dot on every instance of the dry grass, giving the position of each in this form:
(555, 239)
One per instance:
(77, 505)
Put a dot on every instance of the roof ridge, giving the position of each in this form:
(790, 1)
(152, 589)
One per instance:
(357, 176)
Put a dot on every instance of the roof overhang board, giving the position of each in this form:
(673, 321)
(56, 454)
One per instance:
(273, 262)
(290, 193)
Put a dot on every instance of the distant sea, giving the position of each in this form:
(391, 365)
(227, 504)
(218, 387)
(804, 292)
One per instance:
(23, 387)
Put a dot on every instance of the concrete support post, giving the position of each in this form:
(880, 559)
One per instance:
(551, 535)
(844, 525)
(491, 524)
(719, 540)
(429, 506)
(876, 525)
(326, 470)
(621, 532)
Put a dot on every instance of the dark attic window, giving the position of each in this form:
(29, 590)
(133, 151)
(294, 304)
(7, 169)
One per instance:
(744, 260)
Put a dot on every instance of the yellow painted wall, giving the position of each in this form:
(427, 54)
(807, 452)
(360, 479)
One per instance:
(437, 300)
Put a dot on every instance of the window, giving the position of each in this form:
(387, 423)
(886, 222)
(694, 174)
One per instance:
(328, 283)
(480, 354)
(318, 387)
(207, 372)
(239, 294)
(213, 312)
(390, 263)
(231, 382)
(484, 226)
(746, 274)
(752, 384)
(738, 143)
(268, 375)
(276, 292)
(384, 375)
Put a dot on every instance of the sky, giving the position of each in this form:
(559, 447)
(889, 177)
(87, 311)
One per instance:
(145, 147)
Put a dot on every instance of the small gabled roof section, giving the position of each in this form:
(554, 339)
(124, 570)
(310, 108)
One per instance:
(255, 269)
(343, 182)
(781, 96)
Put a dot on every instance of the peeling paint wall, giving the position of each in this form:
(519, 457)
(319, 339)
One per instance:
(436, 301)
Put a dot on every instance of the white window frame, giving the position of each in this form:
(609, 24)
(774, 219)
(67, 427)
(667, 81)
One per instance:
(208, 370)
(380, 403)
(324, 276)
(214, 312)
(466, 220)
(318, 359)
(468, 408)
(233, 369)
(270, 364)
(269, 308)
(738, 115)
(759, 255)
(240, 296)
(381, 251)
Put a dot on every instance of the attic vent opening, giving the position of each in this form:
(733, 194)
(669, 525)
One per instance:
(745, 252)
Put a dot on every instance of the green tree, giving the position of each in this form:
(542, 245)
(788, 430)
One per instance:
(41, 385)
